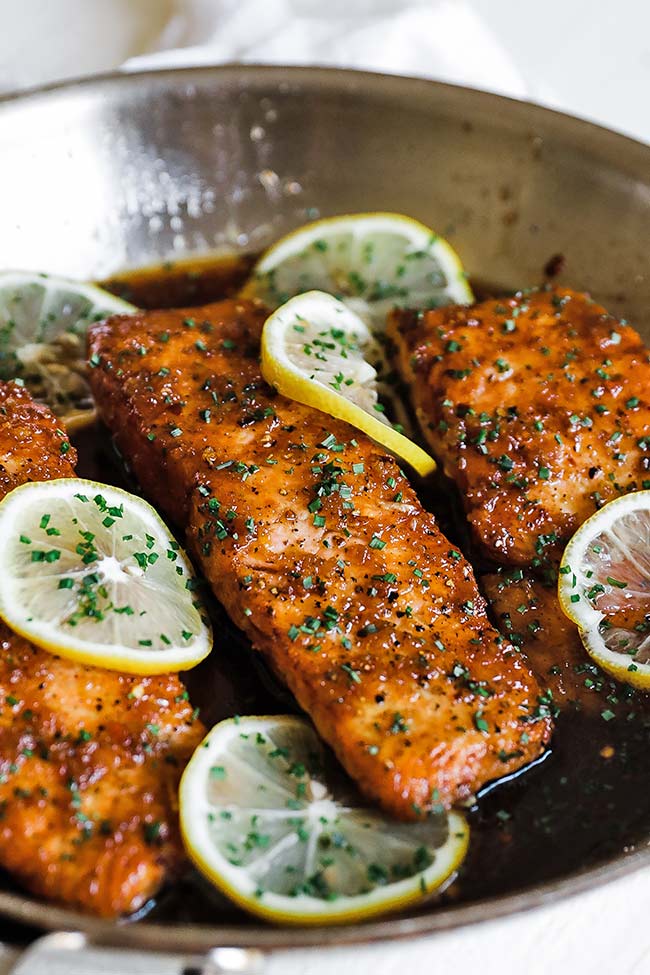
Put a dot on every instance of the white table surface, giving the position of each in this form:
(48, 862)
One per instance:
(589, 57)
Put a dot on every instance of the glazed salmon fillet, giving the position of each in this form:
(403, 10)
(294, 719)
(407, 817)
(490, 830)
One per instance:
(319, 549)
(33, 446)
(528, 613)
(89, 759)
(537, 406)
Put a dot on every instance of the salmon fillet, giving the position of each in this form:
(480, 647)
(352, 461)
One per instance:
(320, 551)
(33, 446)
(528, 612)
(89, 759)
(537, 406)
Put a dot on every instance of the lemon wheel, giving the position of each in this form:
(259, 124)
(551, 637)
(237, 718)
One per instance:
(604, 587)
(314, 351)
(371, 261)
(43, 324)
(90, 572)
(265, 820)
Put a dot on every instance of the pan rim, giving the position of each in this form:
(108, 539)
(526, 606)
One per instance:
(200, 938)
(317, 76)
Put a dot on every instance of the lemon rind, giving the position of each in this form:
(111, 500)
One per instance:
(616, 664)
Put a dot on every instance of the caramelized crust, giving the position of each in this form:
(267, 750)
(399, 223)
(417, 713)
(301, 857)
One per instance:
(537, 406)
(89, 759)
(319, 549)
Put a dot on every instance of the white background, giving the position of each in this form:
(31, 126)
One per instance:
(590, 57)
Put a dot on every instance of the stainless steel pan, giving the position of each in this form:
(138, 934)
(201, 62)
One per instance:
(127, 170)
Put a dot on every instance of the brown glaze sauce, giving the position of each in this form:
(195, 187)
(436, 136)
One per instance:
(584, 802)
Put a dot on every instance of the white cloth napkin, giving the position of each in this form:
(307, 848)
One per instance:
(592, 59)
(444, 39)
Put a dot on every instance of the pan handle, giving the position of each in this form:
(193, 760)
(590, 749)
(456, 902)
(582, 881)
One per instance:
(70, 953)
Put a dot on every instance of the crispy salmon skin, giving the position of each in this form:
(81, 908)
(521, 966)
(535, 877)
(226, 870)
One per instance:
(319, 549)
(89, 759)
(537, 406)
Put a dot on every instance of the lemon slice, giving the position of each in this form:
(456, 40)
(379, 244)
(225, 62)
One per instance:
(604, 587)
(90, 572)
(43, 323)
(371, 261)
(264, 819)
(314, 351)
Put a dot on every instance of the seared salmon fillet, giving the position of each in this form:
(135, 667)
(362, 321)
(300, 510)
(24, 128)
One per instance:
(89, 759)
(319, 549)
(33, 446)
(537, 406)
(528, 613)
